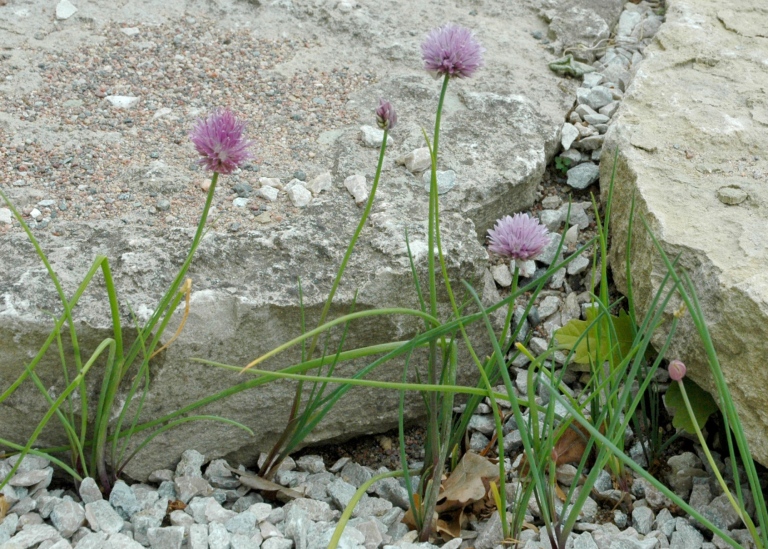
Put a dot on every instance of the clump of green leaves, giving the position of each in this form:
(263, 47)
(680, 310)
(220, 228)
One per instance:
(562, 164)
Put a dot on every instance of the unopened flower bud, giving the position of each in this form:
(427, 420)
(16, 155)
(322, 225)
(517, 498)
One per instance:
(676, 370)
(386, 117)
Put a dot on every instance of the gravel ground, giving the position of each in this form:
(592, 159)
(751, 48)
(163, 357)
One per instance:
(177, 72)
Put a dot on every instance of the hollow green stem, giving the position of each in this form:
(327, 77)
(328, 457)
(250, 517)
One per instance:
(736, 507)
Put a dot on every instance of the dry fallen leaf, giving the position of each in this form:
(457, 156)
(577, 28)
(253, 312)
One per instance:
(271, 489)
(468, 483)
(175, 505)
(3, 507)
(571, 445)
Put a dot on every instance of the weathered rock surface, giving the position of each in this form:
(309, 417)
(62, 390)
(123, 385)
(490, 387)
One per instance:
(581, 27)
(499, 131)
(691, 124)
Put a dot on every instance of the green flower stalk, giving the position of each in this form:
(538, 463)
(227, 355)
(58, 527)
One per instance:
(386, 119)
(449, 51)
(677, 371)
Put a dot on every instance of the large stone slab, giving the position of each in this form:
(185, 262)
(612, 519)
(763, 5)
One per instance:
(692, 131)
(499, 131)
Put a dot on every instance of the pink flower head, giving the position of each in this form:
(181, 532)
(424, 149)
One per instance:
(519, 237)
(220, 142)
(452, 50)
(386, 117)
(676, 370)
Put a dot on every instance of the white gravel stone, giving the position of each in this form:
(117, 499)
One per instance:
(92, 540)
(482, 424)
(579, 264)
(610, 109)
(642, 519)
(501, 275)
(240, 541)
(571, 235)
(299, 195)
(218, 537)
(269, 530)
(198, 537)
(102, 517)
(277, 543)
(526, 268)
(595, 119)
(584, 110)
(271, 182)
(270, 193)
(6, 216)
(592, 79)
(214, 512)
(373, 137)
(320, 183)
(584, 541)
(316, 510)
(260, 510)
(311, 464)
(30, 478)
(65, 9)
(547, 255)
(568, 135)
(123, 500)
(551, 219)
(67, 516)
(583, 175)
(417, 160)
(357, 187)
(122, 101)
(34, 534)
(169, 537)
(548, 306)
(187, 487)
(553, 201)
(245, 523)
(685, 536)
(161, 475)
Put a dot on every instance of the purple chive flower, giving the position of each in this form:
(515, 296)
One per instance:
(519, 237)
(452, 50)
(676, 370)
(220, 142)
(386, 117)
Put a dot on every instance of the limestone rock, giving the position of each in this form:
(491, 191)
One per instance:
(498, 144)
(721, 245)
(581, 26)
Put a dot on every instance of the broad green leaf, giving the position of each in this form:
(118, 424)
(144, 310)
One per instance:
(586, 350)
(702, 404)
